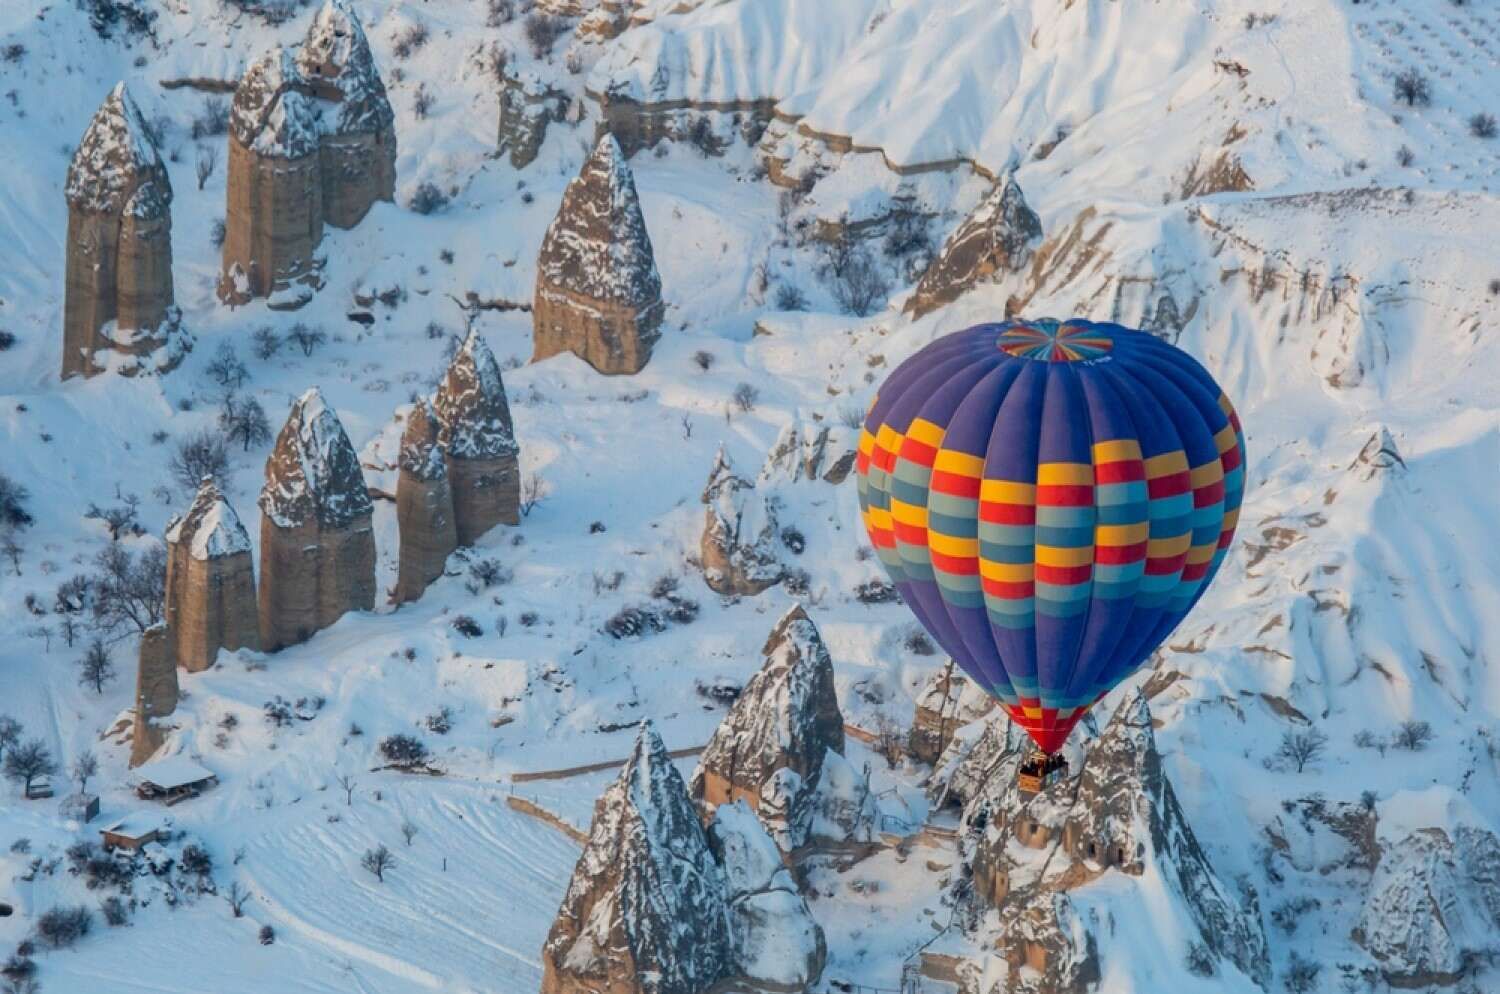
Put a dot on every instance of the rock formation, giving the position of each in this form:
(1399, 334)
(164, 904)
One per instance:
(978, 757)
(527, 106)
(646, 909)
(273, 219)
(739, 549)
(317, 551)
(948, 702)
(598, 294)
(424, 505)
(119, 296)
(777, 944)
(311, 140)
(1432, 914)
(357, 150)
(786, 718)
(998, 237)
(478, 442)
(818, 452)
(210, 596)
(1121, 815)
(155, 694)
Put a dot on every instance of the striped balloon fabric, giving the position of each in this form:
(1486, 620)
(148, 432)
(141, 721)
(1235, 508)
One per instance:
(1051, 498)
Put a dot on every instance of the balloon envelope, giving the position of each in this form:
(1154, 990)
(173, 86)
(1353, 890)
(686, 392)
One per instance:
(1051, 498)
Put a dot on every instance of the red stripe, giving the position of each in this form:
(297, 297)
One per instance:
(1065, 495)
(1009, 590)
(1007, 514)
(1065, 576)
(1232, 458)
(1119, 555)
(1234, 419)
(883, 539)
(918, 452)
(861, 464)
(1226, 537)
(1120, 472)
(1170, 485)
(884, 459)
(1165, 565)
(1194, 571)
(954, 485)
(963, 566)
(1209, 495)
(911, 534)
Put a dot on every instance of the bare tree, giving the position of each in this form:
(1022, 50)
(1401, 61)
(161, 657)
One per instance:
(348, 784)
(227, 369)
(85, 767)
(236, 897)
(1301, 748)
(408, 831)
(130, 590)
(860, 285)
(10, 733)
(687, 432)
(95, 668)
(244, 421)
(203, 453)
(307, 337)
(745, 396)
(889, 738)
(531, 493)
(377, 861)
(10, 548)
(1413, 735)
(27, 761)
(208, 160)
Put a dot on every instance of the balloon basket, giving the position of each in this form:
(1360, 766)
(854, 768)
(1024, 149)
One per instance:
(1040, 771)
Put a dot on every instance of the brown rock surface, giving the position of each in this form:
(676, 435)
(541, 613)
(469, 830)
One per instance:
(317, 550)
(998, 237)
(949, 701)
(424, 506)
(210, 597)
(527, 106)
(478, 442)
(739, 548)
(598, 294)
(119, 293)
(155, 694)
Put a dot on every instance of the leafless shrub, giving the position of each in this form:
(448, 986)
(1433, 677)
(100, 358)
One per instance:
(211, 121)
(409, 41)
(542, 33)
(307, 338)
(207, 160)
(378, 861)
(745, 395)
(1299, 748)
(422, 101)
(1412, 736)
(1483, 126)
(267, 342)
(202, 453)
(1412, 88)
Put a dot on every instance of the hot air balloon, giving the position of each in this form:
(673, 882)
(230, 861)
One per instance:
(1051, 498)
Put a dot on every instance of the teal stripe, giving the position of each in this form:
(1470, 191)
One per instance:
(1065, 538)
(1057, 593)
(1120, 572)
(958, 507)
(1006, 553)
(945, 524)
(1065, 517)
(1007, 534)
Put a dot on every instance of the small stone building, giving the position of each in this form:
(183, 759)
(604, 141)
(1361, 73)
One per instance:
(118, 285)
(478, 442)
(424, 505)
(155, 693)
(210, 597)
(598, 294)
(317, 549)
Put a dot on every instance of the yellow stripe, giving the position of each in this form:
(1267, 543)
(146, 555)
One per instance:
(1121, 534)
(1006, 572)
(1209, 472)
(889, 439)
(1007, 492)
(948, 545)
(1032, 712)
(1200, 554)
(1226, 439)
(961, 463)
(1056, 473)
(925, 432)
(1166, 464)
(880, 519)
(1057, 555)
(1118, 450)
(1163, 548)
(1231, 520)
(1225, 405)
(866, 442)
(908, 514)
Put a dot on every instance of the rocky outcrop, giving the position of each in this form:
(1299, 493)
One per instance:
(317, 550)
(155, 694)
(998, 237)
(646, 910)
(598, 294)
(527, 106)
(978, 757)
(948, 702)
(357, 148)
(604, 22)
(273, 221)
(119, 307)
(424, 505)
(1119, 815)
(1432, 914)
(1379, 455)
(478, 442)
(777, 944)
(739, 549)
(210, 596)
(786, 718)
(811, 452)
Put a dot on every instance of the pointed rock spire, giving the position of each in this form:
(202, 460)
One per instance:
(421, 455)
(274, 113)
(117, 157)
(478, 441)
(598, 293)
(209, 528)
(210, 592)
(738, 549)
(998, 237)
(645, 910)
(313, 474)
(156, 694)
(424, 505)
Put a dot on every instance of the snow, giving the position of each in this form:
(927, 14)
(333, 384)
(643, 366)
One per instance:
(116, 153)
(211, 526)
(173, 771)
(314, 472)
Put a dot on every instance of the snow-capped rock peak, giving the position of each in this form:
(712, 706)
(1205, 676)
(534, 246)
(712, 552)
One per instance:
(274, 112)
(471, 406)
(116, 161)
(210, 527)
(336, 61)
(421, 455)
(313, 473)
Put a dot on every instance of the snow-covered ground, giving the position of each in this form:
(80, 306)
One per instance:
(1348, 292)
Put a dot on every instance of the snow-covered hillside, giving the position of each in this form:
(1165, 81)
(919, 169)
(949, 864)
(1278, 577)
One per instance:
(1238, 176)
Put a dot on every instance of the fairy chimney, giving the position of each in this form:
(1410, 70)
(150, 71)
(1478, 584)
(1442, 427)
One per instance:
(357, 151)
(478, 442)
(119, 296)
(598, 294)
(527, 106)
(155, 693)
(317, 550)
(787, 718)
(739, 549)
(273, 219)
(424, 505)
(210, 600)
(998, 237)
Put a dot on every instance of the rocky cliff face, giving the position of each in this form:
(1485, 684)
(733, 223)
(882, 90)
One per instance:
(811, 452)
(478, 442)
(948, 702)
(155, 694)
(979, 757)
(119, 308)
(527, 106)
(646, 909)
(997, 238)
(317, 550)
(210, 596)
(1432, 913)
(740, 547)
(786, 718)
(424, 505)
(598, 294)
